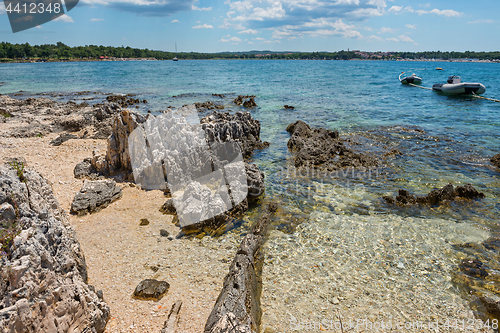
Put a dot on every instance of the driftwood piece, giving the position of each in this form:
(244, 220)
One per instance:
(237, 309)
(172, 321)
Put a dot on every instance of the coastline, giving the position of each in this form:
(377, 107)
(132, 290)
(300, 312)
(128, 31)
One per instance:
(18, 61)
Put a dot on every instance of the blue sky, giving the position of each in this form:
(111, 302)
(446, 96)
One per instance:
(281, 25)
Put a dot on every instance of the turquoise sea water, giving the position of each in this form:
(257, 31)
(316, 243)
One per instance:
(443, 139)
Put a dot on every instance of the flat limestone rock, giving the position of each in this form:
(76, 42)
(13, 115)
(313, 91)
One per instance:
(151, 289)
(94, 196)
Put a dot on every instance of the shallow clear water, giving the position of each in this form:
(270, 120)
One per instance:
(443, 139)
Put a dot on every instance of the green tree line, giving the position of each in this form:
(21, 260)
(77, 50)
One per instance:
(60, 51)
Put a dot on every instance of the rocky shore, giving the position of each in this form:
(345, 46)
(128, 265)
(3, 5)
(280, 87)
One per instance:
(43, 285)
(39, 128)
(143, 270)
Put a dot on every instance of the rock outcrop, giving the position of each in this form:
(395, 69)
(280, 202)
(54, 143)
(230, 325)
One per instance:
(241, 127)
(322, 148)
(95, 196)
(436, 197)
(43, 273)
(495, 160)
(237, 308)
(40, 116)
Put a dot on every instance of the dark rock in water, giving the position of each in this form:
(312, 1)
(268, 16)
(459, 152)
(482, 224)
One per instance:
(436, 197)
(62, 138)
(241, 100)
(496, 160)
(221, 127)
(255, 181)
(473, 268)
(238, 308)
(150, 289)
(164, 233)
(323, 148)
(123, 101)
(250, 103)
(468, 192)
(168, 207)
(95, 195)
(218, 95)
(289, 107)
(144, 222)
(208, 106)
(44, 276)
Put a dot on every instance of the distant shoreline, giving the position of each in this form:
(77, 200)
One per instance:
(21, 61)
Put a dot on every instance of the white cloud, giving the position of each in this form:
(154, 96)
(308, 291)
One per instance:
(298, 18)
(374, 38)
(2, 9)
(249, 31)
(39, 27)
(406, 39)
(481, 21)
(392, 39)
(386, 30)
(395, 9)
(96, 19)
(175, 21)
(230, 39)
(64, 18)
(193, 7)
(445, 12)
(203, 26)
(411, 26)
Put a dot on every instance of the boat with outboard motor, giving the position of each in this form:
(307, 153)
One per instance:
(455, 86)
(410, 79)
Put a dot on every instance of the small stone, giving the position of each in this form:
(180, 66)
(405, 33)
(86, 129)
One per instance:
(164, 233)
(150, 289)
(401, 265)
(335, 301)
(144, 222)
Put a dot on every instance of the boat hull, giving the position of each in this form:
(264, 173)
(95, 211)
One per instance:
(460, 88)
(411, 79)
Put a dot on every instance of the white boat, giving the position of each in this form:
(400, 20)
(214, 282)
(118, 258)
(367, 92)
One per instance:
(175, 58)
(455, 86)
(410, 79)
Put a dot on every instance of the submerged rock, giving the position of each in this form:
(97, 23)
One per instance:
(150, 289)
(238, 308)
(436, 197)
(323, 148)
(495, 160)
(43, 280)
(94, 196)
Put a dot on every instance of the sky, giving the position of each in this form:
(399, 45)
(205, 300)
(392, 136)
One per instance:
(277, 25)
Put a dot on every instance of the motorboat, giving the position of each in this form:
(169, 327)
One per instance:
(410, 79)
(455, 86)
